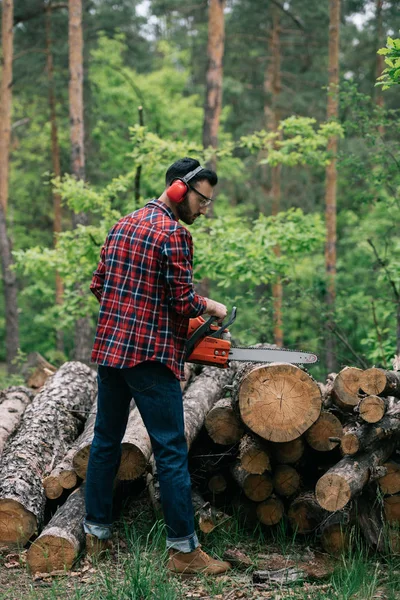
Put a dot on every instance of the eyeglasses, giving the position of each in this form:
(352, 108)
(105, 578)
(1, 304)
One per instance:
(205, 201)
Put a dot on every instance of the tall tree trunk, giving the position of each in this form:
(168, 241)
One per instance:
(215, 51)
(380, 62)
(272, 87)
(331, 182)
(9, 278)
(75, 40)
(55, 155)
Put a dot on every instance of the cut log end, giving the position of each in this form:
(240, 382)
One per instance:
(52, 487)
(335, 539)
(332, 492)
(371, 409)
(17, 525)
(390, 483)
(319, 435)
(270, 512)
(133, 463)
(279, 401)
(286, 480)
(373, 381)
(68, 479)
(350, 444)
(346, 388)
(51, 553)
(258, 487)
(289, 452)
(223, 425)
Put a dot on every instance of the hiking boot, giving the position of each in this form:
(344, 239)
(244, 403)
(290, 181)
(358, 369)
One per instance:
(189, 563)
(97, 548)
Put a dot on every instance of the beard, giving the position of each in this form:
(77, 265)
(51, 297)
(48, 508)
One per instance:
(184, 212)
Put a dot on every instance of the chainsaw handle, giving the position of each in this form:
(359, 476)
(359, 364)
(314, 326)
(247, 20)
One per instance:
(219, 333)
(200, 332)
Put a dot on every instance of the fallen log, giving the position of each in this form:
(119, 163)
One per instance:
(223, 423)
(371, 408)
(380, 382)
(286, 480)
(13, 402)
(278, 402)
(319, 435)
(61, 541)
(346, 388)
(253, 455)
(346, 479)
(49, 426)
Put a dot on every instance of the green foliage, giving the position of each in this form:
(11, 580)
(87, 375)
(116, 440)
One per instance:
(391, 75)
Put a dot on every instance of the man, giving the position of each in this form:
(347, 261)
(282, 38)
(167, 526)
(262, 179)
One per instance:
(144, 285)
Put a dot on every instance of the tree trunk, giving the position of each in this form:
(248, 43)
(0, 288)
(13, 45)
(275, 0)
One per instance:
(223, 423)
(253, 455)
(286, 480)
(380, 60)
(371, 409)
(75, 41)
(49, 426)
(7, 261)
(272, 88)
(331, 181)
(255, 487)
(60, 543)
(55, 155)
(271, 511)
(278, 401)
(346, 388)
(13, 402)
(346, 479)
(215, 52)
(380, 382)
(320, 434)
(305, 514)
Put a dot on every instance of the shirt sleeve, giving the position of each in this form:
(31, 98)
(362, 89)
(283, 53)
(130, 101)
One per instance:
(96, 287)
(177, 257)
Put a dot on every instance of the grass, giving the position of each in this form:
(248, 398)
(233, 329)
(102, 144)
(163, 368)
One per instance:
(137, 571)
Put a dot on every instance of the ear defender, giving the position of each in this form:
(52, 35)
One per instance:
(178, 188)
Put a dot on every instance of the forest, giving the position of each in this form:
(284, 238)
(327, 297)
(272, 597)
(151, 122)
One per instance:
(282, 98)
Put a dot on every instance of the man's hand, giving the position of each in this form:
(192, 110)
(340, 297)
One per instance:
(216, 309)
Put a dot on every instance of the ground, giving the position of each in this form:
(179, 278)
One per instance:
(135, 570)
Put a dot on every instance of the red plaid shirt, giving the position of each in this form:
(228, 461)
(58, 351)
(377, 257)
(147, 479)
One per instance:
(144, 285)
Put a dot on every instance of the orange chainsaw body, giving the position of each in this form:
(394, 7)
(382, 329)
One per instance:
(209, 350)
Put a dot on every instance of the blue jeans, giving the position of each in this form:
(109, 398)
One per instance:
(158, 397)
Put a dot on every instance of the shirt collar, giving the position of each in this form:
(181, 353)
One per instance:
(162, 206)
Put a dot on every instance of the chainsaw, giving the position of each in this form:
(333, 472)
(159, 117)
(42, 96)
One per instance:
(210, 344)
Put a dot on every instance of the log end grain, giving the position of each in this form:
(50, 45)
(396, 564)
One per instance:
(350, 444)
(68, 479)
(217, 484)
(223, 425)
(286, 480)
(392, 509)
(279, 401)
(346, 388)
(17, 525)
(51, 552)
(333, 492)
(52, 487)
(327, 426)
(258, 487)
(371, 409)
(390, 483)
(289, 452)
(270, 512)
(373, 381)
(133, 463)
(335, 539)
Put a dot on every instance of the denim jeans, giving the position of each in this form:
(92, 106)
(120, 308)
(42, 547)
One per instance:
(158, 397)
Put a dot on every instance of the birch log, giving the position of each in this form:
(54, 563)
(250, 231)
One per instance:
(49, 426)
(13, 402)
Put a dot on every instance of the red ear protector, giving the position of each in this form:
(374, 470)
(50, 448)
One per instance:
(178, 188)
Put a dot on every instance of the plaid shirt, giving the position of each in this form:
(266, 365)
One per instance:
(144, 285)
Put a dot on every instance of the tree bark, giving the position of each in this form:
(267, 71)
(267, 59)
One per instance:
(278, 402)
(49, 426)
(207, 516)
(214, 76)
(60, 543)
(13, 402)
(326, 390)
(319, 435)
(331, 181)
(253, 455)
(223, 423)
(380, 60)
(55, 155)
(346, 479)
(380, 382)
(7, 261)
(360, 437)
(75, 41)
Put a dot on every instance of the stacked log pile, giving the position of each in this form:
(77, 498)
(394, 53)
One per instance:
(266, 438)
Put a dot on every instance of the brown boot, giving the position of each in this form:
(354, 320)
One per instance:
(97, 548)
(188, 563)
